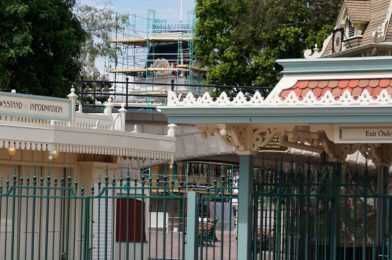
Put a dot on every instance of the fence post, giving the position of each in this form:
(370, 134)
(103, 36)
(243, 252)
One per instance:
(108, 107)
(335, 210)
(72, 97)
(380, 204)
(123, 116)
(126, 91)
(172, 85)
(192, 226)
(245, 207)
(86, 231)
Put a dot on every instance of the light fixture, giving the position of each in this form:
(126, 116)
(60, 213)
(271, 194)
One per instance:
(11, 151)
(53, 155)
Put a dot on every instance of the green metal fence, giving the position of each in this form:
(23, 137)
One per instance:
(301, 210)
(321, 211)
(217, 232)
(47, 217)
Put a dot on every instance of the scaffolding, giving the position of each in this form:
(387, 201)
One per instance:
(128, 56)
(163, 53)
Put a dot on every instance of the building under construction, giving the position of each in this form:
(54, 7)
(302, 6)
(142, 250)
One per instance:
(163, 53)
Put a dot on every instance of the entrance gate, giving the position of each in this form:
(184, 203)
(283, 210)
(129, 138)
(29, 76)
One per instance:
(309, 210)
(47, 216)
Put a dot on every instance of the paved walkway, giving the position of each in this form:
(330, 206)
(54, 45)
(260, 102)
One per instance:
(174, 249)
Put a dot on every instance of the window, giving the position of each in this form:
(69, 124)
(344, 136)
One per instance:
(350, 29)
(133, 210)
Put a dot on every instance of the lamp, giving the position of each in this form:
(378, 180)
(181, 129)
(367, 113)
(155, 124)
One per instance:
(53, 155)
(11, 151)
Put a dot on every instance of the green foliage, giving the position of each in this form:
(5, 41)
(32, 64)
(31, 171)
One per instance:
(239, 41)
(100, 24)
(39, 46)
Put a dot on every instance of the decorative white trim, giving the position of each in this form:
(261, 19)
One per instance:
(243, 138)
(317, 141)
(384, 98)
(316, 53)
(207, 100)
(328, 99)
(346, 98)
(309, 98)
(87, 149)
(381, 32)
(291, 99)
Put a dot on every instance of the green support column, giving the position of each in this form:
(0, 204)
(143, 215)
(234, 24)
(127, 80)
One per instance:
(245, 207)
(192, 227)
(335, 210)
(382, 172)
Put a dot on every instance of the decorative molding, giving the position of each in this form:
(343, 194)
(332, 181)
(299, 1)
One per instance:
(328, 99)
(207, 100)
(206, 130)
(380, 34)
(261, 137)
(252, 138)
(243, 138)
(171, 130)
(302, 138)
(87, 149)
(316, 53)
(368, 151)
(237, 136)
(101, 121)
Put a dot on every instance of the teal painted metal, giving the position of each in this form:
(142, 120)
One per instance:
(245, 206)
(192, 226)
(309, 210)
(330, 65)
(62, 217)
(216, 234)
(278, 115)
(335, 207)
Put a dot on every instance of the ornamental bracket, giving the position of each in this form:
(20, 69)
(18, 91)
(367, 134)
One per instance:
(245, 139)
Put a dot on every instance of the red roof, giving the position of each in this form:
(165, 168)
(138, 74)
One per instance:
(337, 87)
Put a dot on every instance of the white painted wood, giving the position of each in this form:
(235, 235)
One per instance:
(100, 216)
(93, 141)
(158, 219)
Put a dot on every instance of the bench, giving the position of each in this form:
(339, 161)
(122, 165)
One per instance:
(206, 232)
(262, 240)
(263, 237)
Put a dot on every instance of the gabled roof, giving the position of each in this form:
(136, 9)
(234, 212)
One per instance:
(374, 17)
(355, 81)
(358, 11)
(355, 87)
(337, 90)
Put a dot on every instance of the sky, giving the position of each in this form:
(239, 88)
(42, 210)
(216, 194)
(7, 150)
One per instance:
(165, 9)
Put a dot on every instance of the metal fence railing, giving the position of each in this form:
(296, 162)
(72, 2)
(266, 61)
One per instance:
(61, 216)
(146, 95)
(325, 211)
(301, 211)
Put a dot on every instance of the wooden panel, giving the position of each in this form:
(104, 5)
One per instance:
(135, 224)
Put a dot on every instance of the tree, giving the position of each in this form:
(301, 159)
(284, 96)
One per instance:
(39, 46)
(240, 41)
(100, 24)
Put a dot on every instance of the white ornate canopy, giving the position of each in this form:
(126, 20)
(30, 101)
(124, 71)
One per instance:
(75, 132)
(323, 105)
